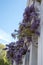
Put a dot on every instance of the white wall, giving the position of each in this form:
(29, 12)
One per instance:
(40, 41)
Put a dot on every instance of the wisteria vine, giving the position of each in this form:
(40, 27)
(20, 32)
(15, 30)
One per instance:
(28, 27)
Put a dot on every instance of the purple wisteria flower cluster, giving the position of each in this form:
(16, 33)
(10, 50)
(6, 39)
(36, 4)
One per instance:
(15, 51)
(30, 23)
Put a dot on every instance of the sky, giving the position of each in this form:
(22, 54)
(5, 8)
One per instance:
(11, 14)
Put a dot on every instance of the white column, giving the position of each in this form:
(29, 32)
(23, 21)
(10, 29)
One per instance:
(33, 55)
(40, 41)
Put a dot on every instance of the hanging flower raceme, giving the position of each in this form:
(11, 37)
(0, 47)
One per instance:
(27, 13)
(35, 25)
(20, 43)
(16, 51)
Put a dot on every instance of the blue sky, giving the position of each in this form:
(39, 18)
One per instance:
(11, 13)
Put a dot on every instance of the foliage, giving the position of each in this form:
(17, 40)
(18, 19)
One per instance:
(2, 62)
(3, 59)
(2, 52)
